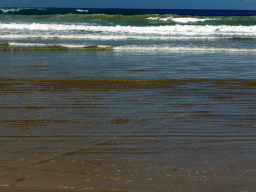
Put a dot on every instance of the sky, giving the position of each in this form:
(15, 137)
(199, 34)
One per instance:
(137, 4)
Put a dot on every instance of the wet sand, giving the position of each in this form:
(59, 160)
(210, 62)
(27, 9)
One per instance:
(127, 135)
(68, 172)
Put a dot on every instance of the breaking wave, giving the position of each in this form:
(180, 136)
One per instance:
(13, 46)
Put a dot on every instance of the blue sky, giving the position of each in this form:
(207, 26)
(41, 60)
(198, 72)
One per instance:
(147, 4)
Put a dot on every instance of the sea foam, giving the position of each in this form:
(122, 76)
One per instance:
(181, 19)
(140, 48)
(80, 10)
(167, 48)
(164, 30)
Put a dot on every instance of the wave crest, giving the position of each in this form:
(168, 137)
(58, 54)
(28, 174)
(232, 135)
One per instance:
(180, 20)
(13, 46)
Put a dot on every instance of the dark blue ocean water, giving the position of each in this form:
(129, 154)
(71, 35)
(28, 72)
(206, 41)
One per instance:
(192, 12)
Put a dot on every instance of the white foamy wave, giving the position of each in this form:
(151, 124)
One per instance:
(44, 45)
(14, 44)
(103, 46)
(10, 10)
(139, 48)
(28, 44)
(180, 20)
(153, 18)
(178, 49)
(168, 31)
(189, 20)
(102, 37)
(80, 10)
(72, 45)
(159, 18)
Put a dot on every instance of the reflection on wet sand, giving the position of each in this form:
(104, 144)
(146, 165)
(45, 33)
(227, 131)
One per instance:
(144, 135)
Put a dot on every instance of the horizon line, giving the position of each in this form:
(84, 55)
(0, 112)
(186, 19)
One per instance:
(135, 8)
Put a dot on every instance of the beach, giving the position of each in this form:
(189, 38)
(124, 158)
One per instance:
(94, 100)
(101, 135)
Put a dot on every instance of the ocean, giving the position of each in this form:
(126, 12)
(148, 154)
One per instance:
(127, 99)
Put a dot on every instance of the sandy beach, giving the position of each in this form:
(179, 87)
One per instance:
(68, 172)
(81, 142)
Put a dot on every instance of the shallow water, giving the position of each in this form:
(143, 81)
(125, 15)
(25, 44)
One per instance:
(118, 105)
(126, 65)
